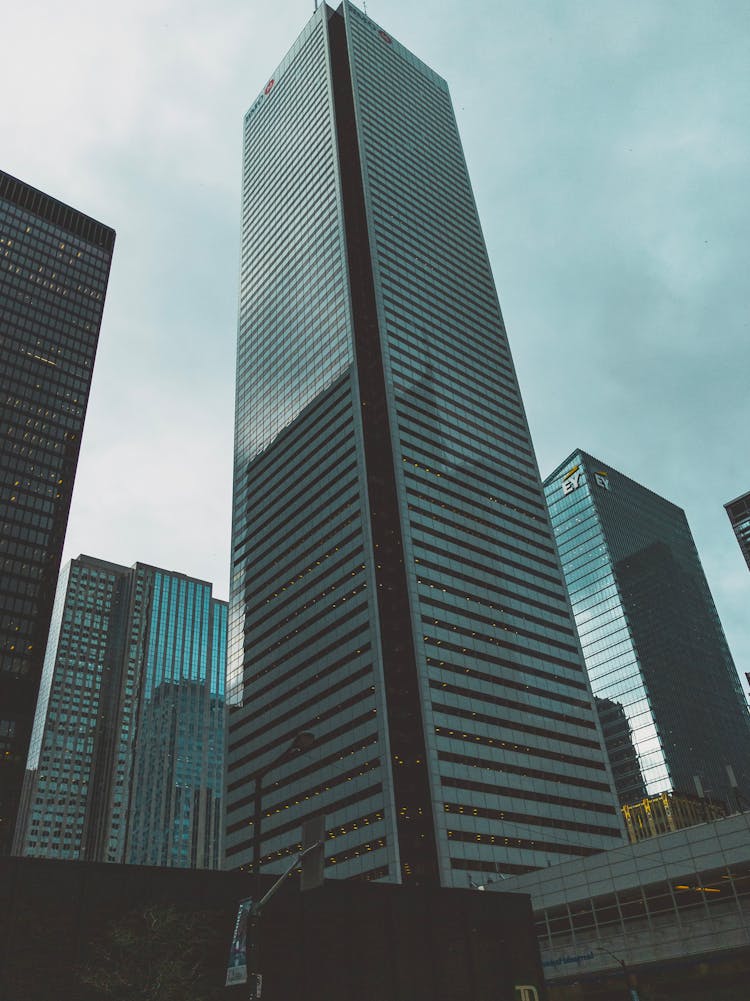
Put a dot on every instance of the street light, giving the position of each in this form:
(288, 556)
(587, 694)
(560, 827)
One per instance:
(301, 743)
(630, 979)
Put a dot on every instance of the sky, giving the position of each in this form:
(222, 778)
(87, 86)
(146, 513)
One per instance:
(608, 147)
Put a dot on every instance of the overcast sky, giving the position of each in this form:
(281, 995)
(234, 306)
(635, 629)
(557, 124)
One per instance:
(608, 147)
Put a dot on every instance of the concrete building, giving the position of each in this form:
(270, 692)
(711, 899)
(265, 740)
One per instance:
(396, 590)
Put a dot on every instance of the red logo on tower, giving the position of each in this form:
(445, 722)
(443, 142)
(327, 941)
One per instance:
(385, 36)
(269, 86)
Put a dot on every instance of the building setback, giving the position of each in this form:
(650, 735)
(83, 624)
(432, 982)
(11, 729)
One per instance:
(669, 696)
(395, 589)
(54, 267)
(738, 512)
(126, 759)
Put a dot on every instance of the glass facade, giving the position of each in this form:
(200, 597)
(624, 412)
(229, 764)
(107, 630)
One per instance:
(178, 761)
(126, 761)
(668, 694)
(54, 267)
(395, 589)
(739, 515)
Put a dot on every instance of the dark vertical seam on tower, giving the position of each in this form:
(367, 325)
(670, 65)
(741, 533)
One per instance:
(416, 833)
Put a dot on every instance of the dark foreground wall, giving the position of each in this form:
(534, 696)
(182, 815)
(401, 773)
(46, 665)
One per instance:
(346, 941)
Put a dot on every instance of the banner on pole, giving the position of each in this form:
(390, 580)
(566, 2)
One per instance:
(237, 966)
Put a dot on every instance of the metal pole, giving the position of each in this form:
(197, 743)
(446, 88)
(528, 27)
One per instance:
(257, 803)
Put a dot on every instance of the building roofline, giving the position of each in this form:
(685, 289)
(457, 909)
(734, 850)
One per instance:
(54, 211)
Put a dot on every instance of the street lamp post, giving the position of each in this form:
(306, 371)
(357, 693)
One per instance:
(301, 743)
(630, 980)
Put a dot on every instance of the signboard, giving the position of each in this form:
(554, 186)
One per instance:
(574, 478)
(237, 965)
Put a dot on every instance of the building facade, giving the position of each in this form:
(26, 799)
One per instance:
(738, 511)
(667, 917)
(126, 758)
(669, 697)
(54, 268)
(395, 588)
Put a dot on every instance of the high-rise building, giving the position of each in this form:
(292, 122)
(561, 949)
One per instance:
(670, 700)
(738, 511)
(396, 591)
(127, 752)
(54, 267)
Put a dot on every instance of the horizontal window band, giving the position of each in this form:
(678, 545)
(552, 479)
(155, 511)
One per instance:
(287, 693)
(535, 773)
(468, 618)
(314, 519)
(475, 605)
(505, 682)
(309, 590)
(498, 514)
(277, 720)
(499, 841)
(495, 868)
(320, 741)
(511, 743)
(309, 769)
(519, 596)
(524, 651)
(526, 707)
(509, 816)
(310, 794)
(278, 570)
(362, 630)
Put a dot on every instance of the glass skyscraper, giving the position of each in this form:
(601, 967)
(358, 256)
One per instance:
(669, 697)
(54, 267)
(395, 586)
(738, 511)
(126, 759)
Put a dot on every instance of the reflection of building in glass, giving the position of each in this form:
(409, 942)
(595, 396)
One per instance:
(618, 738)
(395, 586)
(656, 815)
(54, 266)
(651, 637)
(739, 515)
(126, 755)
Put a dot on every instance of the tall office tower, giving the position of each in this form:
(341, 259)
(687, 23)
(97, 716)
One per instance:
(739, 515)
(54, 266)
(126, 760)
(396, 591)
(669, 697)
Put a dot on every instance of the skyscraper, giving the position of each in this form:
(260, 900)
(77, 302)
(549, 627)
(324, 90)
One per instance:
(395, 588)
(669, 696)
(738, 511)
(54, 267)
(126, 760)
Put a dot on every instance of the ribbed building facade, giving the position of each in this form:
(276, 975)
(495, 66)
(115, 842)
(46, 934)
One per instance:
(669, 696)
(395, 590)
(126, 758)
(54, 268)
(738, 512)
